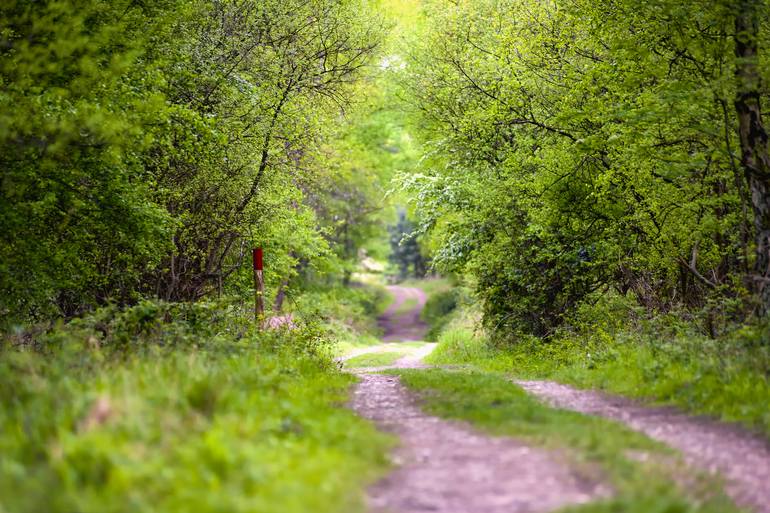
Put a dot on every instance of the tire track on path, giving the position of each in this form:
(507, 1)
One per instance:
(742, 458)
(448, 466)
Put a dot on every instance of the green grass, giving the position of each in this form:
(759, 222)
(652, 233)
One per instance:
(180, 421)
(407, 306)
(349, 341)
(377, 359)
(701, 381)
(430, 285)
(459, 345)
(596, 446)
(726, 379)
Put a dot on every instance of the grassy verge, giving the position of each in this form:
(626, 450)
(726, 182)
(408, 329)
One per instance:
(132, 412)
(348, 341)
(377, 359)
(595, 445)
(407, 306)
(727, 378)
(430, 286)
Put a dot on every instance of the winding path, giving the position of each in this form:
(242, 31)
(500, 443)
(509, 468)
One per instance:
(399, 325)
(446, 466)
(449, 467)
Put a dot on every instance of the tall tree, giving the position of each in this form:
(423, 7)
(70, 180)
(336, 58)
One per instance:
(580, 147)
(753, 137)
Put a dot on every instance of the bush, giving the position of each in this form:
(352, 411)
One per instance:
(438, 310)
(345, 309)
(130, 411)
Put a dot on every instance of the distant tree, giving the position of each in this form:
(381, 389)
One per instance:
(405, 250)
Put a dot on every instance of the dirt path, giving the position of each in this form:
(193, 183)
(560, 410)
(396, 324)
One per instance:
(742, 458)
(449, 467)
(403, 325)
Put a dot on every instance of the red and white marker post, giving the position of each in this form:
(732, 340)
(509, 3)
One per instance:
(259, 287)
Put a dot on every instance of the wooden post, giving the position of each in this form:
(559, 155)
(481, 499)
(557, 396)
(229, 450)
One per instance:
(259, 287)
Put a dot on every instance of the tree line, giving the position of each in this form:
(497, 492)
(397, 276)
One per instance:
(578, 149)
(146, 146)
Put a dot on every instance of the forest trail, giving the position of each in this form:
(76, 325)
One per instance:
(447, 466)
(740, 457)
(401, 321)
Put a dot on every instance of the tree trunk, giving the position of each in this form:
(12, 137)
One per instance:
(280, 296)
(753, 137)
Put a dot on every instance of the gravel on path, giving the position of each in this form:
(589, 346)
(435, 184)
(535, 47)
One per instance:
(742, 458)
(449, 467)
(404, 326)
(446, 466)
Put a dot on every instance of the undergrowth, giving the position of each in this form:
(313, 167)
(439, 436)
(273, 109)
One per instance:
(176, 408)
(664, 359)
(348, 313)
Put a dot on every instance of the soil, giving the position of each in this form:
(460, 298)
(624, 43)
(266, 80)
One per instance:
(404, 326)
(742, 458)
(449, 467)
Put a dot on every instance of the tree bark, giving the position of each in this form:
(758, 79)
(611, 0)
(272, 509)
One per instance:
(753, 137)
(280, 296)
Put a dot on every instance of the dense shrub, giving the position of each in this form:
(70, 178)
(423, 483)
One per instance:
(580, 146)
(174, 408)
(147, 146)
(438, 310)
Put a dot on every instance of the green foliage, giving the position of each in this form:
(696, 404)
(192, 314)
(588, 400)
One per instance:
(146, 147)
(615, 349)
(438, 310)
(265, 100)
(131, 411)
(493, 403)
(79, 103)
(362, 158)
(578, 146)
(350, 311)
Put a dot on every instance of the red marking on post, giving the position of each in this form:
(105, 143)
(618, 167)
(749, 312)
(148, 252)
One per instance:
(258, 257)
